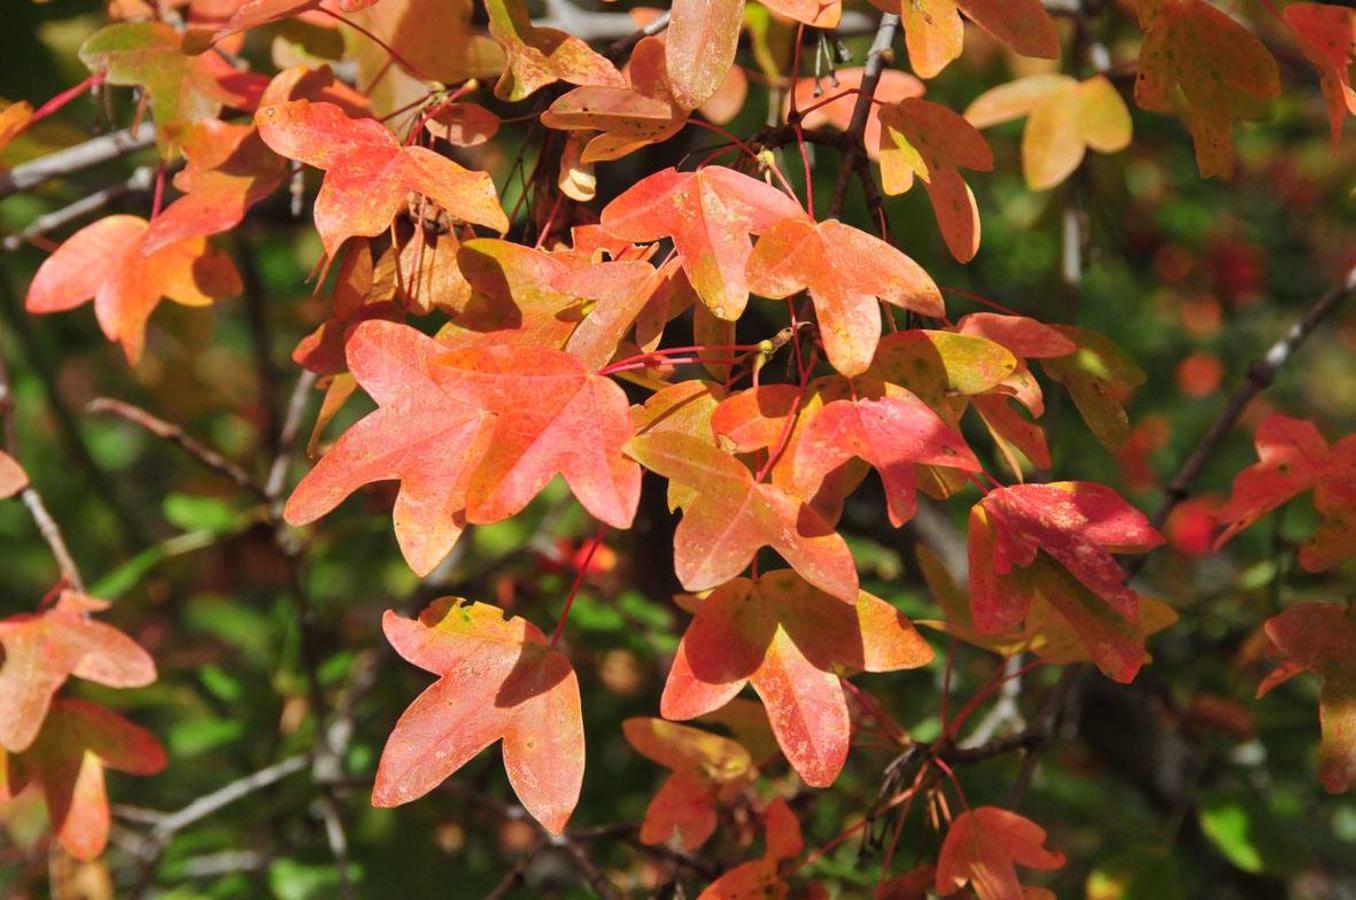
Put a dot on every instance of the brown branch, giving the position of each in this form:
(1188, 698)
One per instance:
(75, 159)
(854, 150)
(176, 435)
(1260, 374)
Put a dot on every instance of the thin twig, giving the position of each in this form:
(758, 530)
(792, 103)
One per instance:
(176, 435)
(1260, 374)
(140, 180)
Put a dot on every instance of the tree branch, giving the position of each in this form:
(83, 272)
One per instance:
(76, 159)
(1260, 375)
(176, 435)
(141, 180)
(854, 149)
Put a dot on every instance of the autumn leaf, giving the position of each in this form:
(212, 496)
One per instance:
(709, 214)
(182, 89)
(104, 262)
(629, 116)
(552, 415)
(541, 56)
(1100, 379)
(432, 39)
(846, 272)
(13, 479)
(254, 13)
(1327, 36)
(1294, 458)
(463, 124)
(728, 518)
(706, 768)
(617, 293)
(497, 680)
(791, 641)
(368, 175)
(67, 760)
(927, 140)
(423, 434)
(892, 430)
(1198, 61)
(934, 32)
(1065, 117)
(229, 170)
(1318, 637)
(824, 14)
(983, 848)
(700, 45)
(14, 121)
(44, 649)
(1025, 537)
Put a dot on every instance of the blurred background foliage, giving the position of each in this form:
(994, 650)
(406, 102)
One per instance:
(1180, 787)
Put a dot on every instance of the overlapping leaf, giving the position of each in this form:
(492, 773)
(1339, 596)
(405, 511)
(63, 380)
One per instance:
(791, 642)
(728, 517)
(1198, 61)
(104, 262)
(44, 649)
(67, 760)
(497, 680)
(1065, 117)
(700, 45)
(846, 271)
(1100, 379)
(1023, 541)
(709, 214)
(368, 175)
(1318, 637)
(1327, 36)
(1294, 458)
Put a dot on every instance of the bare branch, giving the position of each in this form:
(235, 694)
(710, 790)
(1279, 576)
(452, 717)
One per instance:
(75, 159)
(176, 435)
(854, 149)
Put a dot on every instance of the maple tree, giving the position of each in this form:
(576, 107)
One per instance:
(781, 528)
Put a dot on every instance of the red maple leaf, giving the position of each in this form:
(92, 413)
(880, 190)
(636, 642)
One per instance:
(498, 680)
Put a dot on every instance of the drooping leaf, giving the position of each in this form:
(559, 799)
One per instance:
(709, 214)
(705, 768)
(423, 434)
(700, 45)
(1327, 36)
(889, 428)
(927, 140)
(728, 518)
(629, 116)
(497, 680)
(541, 56)
(368, 175)
(1318, 637)
(13, 478)
(1022, 540)
(846, 271)
(1100, 379)
(1294, 458)
(791, 641)
(934, 32)
(983, 848)
(67, 760)
(1066, 117)
(183, 89)
(104, 262)
(1198, 61)
(44, 649)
